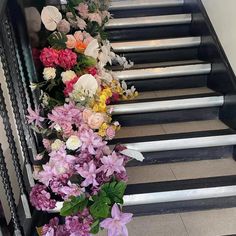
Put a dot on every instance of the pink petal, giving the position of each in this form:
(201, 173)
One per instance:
(124, 231)
(106, 223)
(115, 211)
(126, 218)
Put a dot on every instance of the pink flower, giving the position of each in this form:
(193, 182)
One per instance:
(117, 224)
(47, 144)
(41, 199)
(96, 120)
(91, 141)
(49, 57)
(95, 17)
(83, 10)
(34, 117)
(70, 190)
(67, 59)
(112, 163)
(38, 157)
(63, 26)
(86, 114)
(71, 41)
(110, 132)
(81, 23)
(70, 86)
(54, 229)
(80, 224)
(92, 71)
(88, 171)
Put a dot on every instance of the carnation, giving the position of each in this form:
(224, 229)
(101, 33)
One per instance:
(67, 76)
(49, 57)
(49, 73)
(67, 59)
(40, 198)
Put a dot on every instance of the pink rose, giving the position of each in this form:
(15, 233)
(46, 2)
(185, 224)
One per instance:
(63, 26)
(110, 132)
(71, 41)
(95, 120)
(83, 10)
(86, 114)
(95, 17)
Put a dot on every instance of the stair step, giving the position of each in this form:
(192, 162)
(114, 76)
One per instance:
(182, 171)
(149, 21)
(139, 4)
(172, 93)
(160, 72)
(167, 105)
(148, 45)
(170, 128)
(151, 198)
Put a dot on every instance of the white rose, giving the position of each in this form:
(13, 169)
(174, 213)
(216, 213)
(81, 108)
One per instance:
(49, 73)
(73, 142)
(68, 75)
(87, 84)
(57, 144)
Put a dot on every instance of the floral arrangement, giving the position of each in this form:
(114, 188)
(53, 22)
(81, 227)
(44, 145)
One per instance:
(78, 167)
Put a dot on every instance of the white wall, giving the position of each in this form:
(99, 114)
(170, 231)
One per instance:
(6, 150)
(222, 14)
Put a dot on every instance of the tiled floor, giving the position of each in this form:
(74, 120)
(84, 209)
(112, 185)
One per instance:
(202, 223)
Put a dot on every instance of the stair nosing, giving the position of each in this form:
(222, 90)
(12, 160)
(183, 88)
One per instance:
(156, 44)
(163, 72)
(144, 4)
(119, 23)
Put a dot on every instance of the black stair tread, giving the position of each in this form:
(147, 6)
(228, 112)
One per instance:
(174, 185)
(159, 64)
(172, 93)
(174, 136)
(170, 128)
(182, 170)
(169, 98)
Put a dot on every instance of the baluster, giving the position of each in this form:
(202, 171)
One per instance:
(13, 149)
(13, 97)
(9, 194)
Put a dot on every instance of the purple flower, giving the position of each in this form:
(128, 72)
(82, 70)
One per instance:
(70, 190)
(112, 163)
(91, 141)
(117, 224)
(41, 199)
(88, 171)
(54, 229)
(80, 224)
(34, 117)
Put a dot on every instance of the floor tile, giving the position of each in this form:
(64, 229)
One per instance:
(161, 225)
(192, 126)
(151, 173)
(142, 130)
(210, 223)
(203, 169)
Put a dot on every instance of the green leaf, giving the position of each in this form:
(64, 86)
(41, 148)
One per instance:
(74, 205)
(115, 191)
(101, 206)
(95, 227)
(57, 40)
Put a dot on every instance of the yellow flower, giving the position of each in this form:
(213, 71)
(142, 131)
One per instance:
(102, 129)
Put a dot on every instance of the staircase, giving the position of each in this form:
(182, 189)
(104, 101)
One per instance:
(180, 120)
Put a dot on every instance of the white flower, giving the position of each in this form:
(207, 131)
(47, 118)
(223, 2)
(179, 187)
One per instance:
(92, 49)
(33, 86)
(57, 144)
(50, 16)
(73, 142)
(57, 127)
(68, 75)
(49, 73)
(45, 99)
(87, 84)
(33, 19)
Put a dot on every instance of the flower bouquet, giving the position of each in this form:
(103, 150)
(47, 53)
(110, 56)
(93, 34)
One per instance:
(78, 167)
